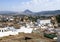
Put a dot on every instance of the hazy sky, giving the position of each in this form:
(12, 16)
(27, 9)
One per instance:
(33, 5)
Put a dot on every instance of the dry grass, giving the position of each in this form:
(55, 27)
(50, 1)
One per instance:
(20, 38)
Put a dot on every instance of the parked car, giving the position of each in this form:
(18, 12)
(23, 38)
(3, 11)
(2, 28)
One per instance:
(51, 36)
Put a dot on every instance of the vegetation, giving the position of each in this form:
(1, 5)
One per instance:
(34, 18)
(58, 18)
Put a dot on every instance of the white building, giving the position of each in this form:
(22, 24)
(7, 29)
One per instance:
(12, 31)
(44, 22)
(7, 31)
(25, 29)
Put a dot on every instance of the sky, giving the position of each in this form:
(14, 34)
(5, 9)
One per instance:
(33, 5)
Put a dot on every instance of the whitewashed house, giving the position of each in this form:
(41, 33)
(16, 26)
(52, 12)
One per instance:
(25, 29)
(7, 31)
(12, 31)
(43, 22)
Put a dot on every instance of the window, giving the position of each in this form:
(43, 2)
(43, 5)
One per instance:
(0, 30)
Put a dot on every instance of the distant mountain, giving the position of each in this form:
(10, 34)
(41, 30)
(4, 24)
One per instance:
(7, 12)
(56, 12)
(28, 11)
(43, 13)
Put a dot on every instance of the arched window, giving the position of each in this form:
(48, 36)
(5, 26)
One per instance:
(2, 30)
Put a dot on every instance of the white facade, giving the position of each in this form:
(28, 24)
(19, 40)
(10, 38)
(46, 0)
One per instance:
(43, 22)
(12, 31)
(7, 31)
(25, 29)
